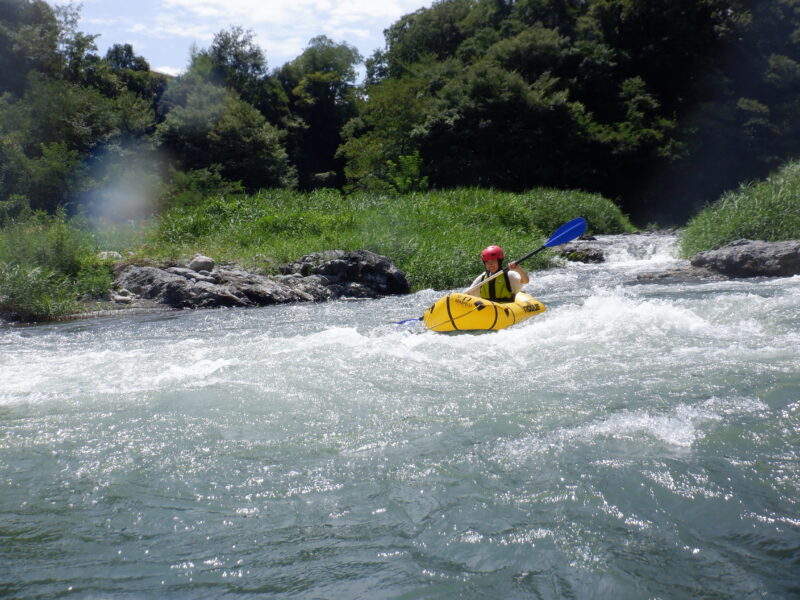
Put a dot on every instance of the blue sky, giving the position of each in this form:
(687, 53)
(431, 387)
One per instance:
(163, 32)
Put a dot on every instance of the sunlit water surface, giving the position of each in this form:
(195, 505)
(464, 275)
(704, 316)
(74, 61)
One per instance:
(634, 441)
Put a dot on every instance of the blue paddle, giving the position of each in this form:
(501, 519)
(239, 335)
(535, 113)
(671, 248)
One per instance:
(566, 233)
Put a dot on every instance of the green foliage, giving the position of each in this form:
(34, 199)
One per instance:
(320, 86)
(435, 237)
(14, 208)
(46, 264)
(211, 127)
(191, 187)
(34, 294)
(29, 36)
(767, 210)
(383, 131)
(661, 104)
(406, 175)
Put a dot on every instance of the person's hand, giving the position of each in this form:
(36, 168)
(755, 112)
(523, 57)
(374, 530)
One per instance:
(513, 265)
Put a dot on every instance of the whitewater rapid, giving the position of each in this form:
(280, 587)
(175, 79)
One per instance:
(635, 440)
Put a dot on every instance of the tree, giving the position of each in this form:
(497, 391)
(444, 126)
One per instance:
(384, 131)
(29, 34)
(235, 61)
(210, 125)
(122, 57)
(320, 84)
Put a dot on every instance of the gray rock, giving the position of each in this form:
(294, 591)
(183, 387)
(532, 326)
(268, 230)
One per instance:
(109, 255)
(748, 258)
(587, 251)
(318, 287)
(314, 278)
(201, 263)
(260, 289)
(177, 291)
(192, 275)
(687, 274)
(376, 274)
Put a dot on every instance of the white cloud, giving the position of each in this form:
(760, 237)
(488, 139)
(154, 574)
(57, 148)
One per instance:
(173, 71)
(283, 28)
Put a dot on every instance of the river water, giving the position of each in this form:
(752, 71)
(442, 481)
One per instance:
(634, 441)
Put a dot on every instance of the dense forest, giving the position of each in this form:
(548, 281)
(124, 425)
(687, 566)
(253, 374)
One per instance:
(658, 104)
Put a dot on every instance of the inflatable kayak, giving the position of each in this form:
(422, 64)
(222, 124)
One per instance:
(461, 312)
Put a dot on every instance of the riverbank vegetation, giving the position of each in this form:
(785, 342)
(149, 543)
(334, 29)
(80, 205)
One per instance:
(49, 262)
(434, 237)
(766, 210)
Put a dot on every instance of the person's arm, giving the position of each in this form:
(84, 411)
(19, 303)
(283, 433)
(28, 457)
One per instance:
(523, 275)
(475, 291)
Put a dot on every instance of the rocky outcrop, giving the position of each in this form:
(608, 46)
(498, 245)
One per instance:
(742, 258)
(748, 258)
(315, 277)
(359, 274)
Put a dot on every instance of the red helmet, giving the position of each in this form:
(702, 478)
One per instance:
(492, 252)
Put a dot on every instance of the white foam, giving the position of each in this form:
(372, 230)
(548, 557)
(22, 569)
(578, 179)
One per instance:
(680, 427)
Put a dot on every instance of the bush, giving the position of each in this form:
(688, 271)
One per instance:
(46, 263)
(768, 210)
(34, 294)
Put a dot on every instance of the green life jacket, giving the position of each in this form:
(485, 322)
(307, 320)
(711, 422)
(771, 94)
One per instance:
(498, 289)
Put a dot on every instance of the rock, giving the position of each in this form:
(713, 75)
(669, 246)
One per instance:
(109, 255)
(375, 274)
(177, 291)
(318, 287)
(192, 275)
(687, 274)
(588, 250)
(583, 252)
(748, 258)
(260, 289)
(201, 263)
(314, 278)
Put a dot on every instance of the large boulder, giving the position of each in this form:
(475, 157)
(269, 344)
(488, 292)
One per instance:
(259, 289)
(748, 258)
(360, 273)
(176, 290)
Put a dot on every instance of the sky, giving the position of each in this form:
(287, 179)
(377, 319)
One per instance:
(163, 32)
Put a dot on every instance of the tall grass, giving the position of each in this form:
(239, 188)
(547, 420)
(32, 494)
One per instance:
(48, 263)
(767, 210)
(435, 237)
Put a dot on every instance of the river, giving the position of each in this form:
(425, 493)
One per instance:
(634, 441)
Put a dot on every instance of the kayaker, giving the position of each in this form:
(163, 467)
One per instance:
(504, 287)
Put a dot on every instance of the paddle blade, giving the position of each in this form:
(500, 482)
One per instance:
(407, 321)
(567, 232)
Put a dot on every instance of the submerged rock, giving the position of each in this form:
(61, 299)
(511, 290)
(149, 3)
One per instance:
(748, 258)
(314, 278)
